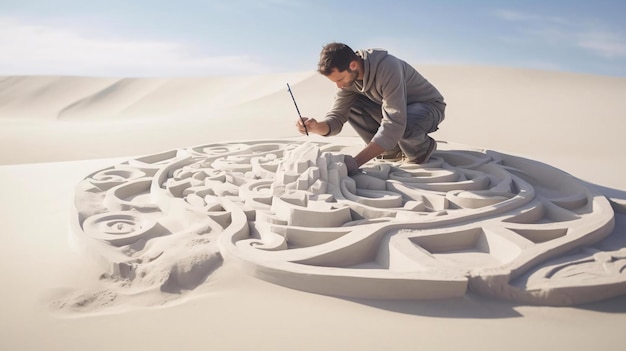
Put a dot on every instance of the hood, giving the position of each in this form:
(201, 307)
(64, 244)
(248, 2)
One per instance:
(371, 59)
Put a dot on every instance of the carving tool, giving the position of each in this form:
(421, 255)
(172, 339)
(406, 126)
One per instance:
(297, 109)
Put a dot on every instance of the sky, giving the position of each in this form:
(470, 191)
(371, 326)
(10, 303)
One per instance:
(202, 38)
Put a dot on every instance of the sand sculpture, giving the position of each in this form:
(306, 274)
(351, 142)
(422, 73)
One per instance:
(287, 212)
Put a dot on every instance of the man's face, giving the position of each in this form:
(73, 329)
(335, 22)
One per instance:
(343, 79)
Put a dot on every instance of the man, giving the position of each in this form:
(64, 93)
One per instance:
(390, 105)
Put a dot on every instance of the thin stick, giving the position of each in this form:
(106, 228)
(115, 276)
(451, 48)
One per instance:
(297, 109)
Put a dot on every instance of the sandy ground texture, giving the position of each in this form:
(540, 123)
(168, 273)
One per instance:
(56, 131)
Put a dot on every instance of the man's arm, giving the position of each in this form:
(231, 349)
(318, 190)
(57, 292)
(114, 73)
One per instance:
(390, 86)
(369, 152)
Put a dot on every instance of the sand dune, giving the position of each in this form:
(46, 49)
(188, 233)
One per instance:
(511, 110)
(59, 291)
(82, 98)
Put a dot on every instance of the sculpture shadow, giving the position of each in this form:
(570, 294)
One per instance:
(609, 192)
(468, 306)
(478, 307)
(614, 305)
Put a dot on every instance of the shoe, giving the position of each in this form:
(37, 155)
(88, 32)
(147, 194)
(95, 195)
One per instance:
(432, 146)
(394, 154)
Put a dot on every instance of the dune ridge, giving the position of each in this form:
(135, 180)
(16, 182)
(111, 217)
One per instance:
(93, 98)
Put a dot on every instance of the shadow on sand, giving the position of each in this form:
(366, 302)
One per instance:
(477, 307)
(469, 306)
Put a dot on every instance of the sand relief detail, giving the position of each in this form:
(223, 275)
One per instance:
(287, 212)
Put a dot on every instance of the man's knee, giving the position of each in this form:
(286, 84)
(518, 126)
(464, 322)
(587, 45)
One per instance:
(422, 118)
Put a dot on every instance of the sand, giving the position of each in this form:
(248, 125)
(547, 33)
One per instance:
(58, 131)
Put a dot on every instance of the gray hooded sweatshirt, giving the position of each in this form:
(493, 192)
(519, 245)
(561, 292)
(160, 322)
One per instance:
(390, 82)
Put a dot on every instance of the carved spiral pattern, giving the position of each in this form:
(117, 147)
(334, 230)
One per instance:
(468, 218)
(120, 228)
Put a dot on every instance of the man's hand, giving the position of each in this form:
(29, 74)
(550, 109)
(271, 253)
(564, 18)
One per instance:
(312, 126)
(369, 152)
(351, 164)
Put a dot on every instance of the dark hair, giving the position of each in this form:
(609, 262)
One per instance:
(335, 55)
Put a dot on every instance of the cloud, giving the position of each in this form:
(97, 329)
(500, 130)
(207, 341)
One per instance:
(602, 43)
(590, 36)
(29, 49)
(517, 16)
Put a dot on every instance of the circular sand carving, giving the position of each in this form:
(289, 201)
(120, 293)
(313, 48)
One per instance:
(288, 213)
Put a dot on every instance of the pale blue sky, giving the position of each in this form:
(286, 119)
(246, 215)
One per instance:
(186, 37)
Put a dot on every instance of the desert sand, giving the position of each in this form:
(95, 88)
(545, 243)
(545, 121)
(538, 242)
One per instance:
(70, 285)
